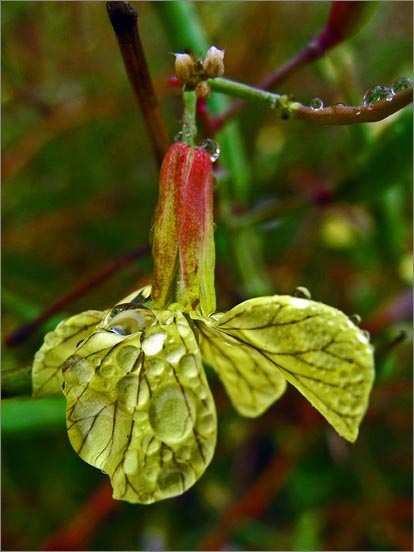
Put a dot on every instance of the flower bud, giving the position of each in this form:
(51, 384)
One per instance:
(213, 63)
(184, 67)
(202, 90)
(183, 237)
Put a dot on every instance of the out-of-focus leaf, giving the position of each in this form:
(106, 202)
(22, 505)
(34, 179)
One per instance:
(386, 163)
(27, 415)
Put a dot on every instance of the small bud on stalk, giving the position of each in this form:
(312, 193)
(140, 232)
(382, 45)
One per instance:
(202, 90)
(213, 62)
(184, 67)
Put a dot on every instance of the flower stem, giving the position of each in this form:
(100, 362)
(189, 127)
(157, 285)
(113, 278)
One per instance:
(244, 91)
(189, 117)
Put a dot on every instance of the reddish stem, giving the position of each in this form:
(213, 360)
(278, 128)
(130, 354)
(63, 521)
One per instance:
(23, 332)
(76, 534)
(252, 503)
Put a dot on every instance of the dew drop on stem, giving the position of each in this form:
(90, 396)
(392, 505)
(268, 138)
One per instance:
(401, 83)
(377, 93)
(316, 104)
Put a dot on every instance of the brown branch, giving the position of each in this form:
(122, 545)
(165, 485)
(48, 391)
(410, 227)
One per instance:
(19, 335)
(347, 115)
(123, 18)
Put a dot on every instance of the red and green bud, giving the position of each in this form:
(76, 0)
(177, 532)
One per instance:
(183, 236)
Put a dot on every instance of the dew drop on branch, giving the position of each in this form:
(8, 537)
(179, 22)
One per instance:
(377, 93)
(316, 104)
(401, 83)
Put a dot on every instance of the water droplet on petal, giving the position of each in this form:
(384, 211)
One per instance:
(143, 393)
(107, 370)
(188, 366)
(118, 330)
(201, 392)
(212, 149)
(355, 319)
(302, 292)
(131, 462)
(316, 104)
(367, 335)
(401, 84)
(153, 447)
(77, 370)
(173, 353)
(153, 343)
(96, 361)
(126, 357)
(128, 318)
(39, 356)
(140, 416)
(171, 414)
(63, 330)
(127, 390)
(154, 367)
(207, 424)
(165, 317)
(166, 455)
(51, 339)
(377, 93)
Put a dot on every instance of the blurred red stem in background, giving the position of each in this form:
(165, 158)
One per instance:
(22, 333)
(343, 20)
(252, 503)
(76, 534)
(397, 309)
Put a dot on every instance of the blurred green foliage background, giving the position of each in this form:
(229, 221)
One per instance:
(79, 189)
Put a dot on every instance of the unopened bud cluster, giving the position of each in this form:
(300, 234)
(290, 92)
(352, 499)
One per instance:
(193, 73)
(213, 63)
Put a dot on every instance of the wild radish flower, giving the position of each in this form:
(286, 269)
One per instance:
(138, 402)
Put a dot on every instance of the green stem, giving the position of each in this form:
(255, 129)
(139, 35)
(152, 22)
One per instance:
(189, 117)
(17, 381)
(184, 30)
(245, 92)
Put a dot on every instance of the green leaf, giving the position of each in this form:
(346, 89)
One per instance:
(139, 406)
(250, 379)
(57, 346)
(317, 348)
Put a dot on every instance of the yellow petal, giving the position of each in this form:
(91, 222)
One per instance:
(57, 346)
(316, 348)
(250, 379)
(140, 409)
